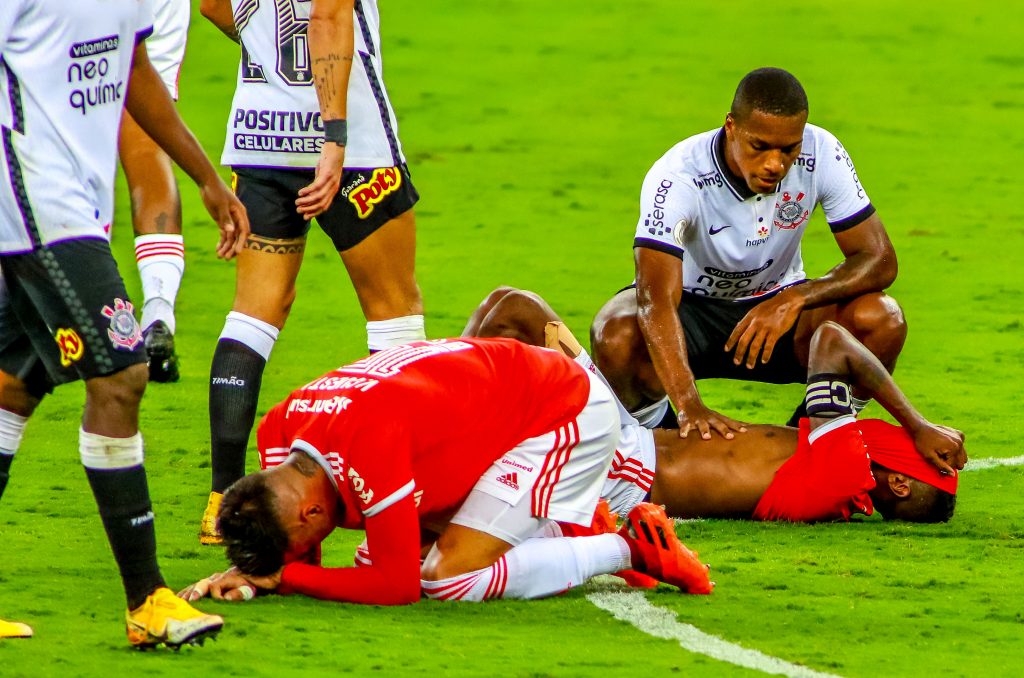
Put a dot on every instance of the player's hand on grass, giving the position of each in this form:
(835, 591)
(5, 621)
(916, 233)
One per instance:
(318, 196)
(230, 585)
(230, 215)
(760, 329)
(942, 446)
(694, 416)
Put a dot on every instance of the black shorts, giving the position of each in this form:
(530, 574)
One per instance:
(366, 201)
(708, 322)
(66, 316)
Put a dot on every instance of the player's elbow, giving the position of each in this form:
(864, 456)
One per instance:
(885, 268)
(404, 593)
(208, 8)
(323, 20)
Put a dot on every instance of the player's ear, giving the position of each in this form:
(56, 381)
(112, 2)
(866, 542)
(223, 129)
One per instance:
(899, 484)
(311, 512)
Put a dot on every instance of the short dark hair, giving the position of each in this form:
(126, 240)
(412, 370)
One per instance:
(248, 521)
(769, 90)
(927, 503)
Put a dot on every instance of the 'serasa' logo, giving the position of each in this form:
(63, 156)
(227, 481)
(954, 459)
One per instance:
(382, 183)
(70, 345)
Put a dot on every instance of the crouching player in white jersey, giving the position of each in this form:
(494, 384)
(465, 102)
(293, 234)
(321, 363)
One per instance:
(310, 116)
(720, 288)
(156, 203)
(498, 440)
(66, 72)
(828, 468)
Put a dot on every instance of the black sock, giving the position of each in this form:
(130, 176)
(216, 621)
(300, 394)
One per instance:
(799, 413)
(235, 378)
(122, 496)
(5, 470)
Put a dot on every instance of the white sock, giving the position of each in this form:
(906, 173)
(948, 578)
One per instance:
(382, 334)
(161, 260)
(537, 568)
(12, 427)
(252, 332)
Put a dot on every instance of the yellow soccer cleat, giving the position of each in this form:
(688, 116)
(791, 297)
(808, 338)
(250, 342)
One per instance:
(208, 534)
(164, 618)
(14, 630)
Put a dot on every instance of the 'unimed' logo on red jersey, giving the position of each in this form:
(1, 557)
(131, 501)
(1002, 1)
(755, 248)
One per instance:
(383, 182)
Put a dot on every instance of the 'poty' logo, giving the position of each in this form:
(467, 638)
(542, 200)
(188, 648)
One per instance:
(382, 183)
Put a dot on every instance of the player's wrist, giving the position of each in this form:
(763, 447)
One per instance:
(336, 131)
(795, 295)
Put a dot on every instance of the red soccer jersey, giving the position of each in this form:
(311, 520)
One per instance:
(423, 420)
(826, 480)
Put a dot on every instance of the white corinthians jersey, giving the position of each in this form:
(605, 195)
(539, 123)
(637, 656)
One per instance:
(736, 244)
(63, 79)
(275, 116)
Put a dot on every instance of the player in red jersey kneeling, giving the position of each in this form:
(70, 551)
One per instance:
(497, 443)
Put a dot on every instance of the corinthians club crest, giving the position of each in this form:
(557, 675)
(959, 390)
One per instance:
(790, 212)
(124, 331)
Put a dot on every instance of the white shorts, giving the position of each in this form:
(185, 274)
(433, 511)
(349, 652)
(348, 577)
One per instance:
(166, 47)
(632, 473)
(558, 475)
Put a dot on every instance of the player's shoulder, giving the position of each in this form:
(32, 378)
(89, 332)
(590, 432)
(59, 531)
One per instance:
(690, 154)
(820, 140)
(687, 161)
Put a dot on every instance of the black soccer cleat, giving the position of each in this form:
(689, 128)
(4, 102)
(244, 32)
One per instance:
(159, 343)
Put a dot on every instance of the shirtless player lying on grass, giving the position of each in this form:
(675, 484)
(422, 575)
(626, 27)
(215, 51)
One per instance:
(829, 468)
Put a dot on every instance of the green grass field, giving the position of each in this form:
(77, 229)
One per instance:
(529, 127)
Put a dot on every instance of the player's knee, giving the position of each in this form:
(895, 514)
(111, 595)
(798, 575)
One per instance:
(878, 316)
(393, 300)
(496, 295)
(520, 314)
(613, 339)
(829, 339)
(15, 397)
(121, 390)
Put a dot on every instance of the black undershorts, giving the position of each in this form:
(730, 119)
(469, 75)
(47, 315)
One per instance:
(366, 200)
(708, 322)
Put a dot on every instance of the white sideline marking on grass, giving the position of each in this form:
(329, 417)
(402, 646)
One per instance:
(993, 462)
(633, 607)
